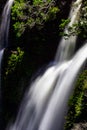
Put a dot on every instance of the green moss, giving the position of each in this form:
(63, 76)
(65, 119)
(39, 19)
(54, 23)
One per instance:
(77, 103)
(14, 60)
(78, 106)
(64, 22)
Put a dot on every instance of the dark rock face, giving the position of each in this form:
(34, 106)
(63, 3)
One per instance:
(2, 3)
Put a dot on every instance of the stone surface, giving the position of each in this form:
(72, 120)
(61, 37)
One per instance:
(2, 3)
(80, 126)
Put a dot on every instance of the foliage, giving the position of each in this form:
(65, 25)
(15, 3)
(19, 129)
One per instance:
(14, 60)
(36, 2)
(27, 14)
(83, 21)
(80, 27)
(71, 30)
(77, 104)
(64, 23)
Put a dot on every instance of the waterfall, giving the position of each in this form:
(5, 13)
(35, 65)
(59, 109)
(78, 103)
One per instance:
(4, 29)
(67, 45)
(54, 115)
(44, 105)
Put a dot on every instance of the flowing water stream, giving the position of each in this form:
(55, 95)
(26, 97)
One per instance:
(44, 105)
(5, 22)
(67, 45)
(4, 31)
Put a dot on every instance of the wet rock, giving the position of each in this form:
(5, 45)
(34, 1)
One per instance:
(80, 126)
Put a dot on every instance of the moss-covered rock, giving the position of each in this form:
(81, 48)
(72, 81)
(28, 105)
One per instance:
(78, 102)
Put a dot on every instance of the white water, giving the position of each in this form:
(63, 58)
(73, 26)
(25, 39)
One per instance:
(1, 54)
(4, 29)
(44, 105)
(67, 45)
(54, 115)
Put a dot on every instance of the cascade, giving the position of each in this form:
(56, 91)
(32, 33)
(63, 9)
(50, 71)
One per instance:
(44, 105)
(4, 30)
(5, 22)
(67, 44)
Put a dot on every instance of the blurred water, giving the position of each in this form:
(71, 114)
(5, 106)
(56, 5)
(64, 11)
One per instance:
(44, 105)
(67, 44)
(5, 22)
(4, 31)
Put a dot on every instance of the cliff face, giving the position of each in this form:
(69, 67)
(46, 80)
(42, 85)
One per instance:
(2, 3)
(39, 48)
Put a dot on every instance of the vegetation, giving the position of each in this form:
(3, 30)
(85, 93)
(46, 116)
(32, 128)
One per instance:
(64, 23)
(77, 103)
(79, 28)
(82, 25)
(14, 60)
(37, 24)
(27, 14)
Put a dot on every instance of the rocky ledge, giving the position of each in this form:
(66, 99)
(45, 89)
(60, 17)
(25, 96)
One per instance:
(80, 126)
